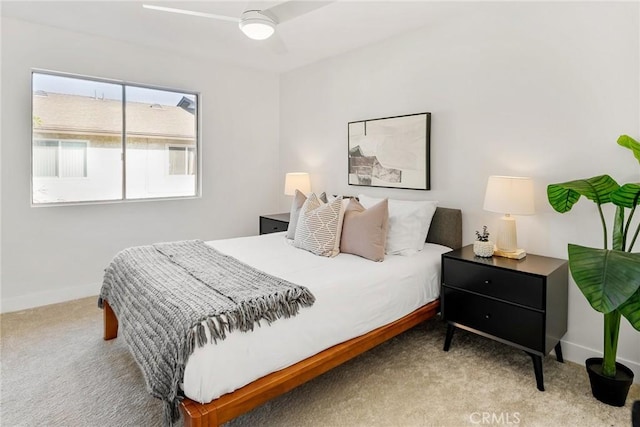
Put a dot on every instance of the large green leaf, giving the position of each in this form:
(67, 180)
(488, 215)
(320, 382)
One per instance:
(627, 196)
(607, 278)
(631, 310)
(631, 144)
(563, 196)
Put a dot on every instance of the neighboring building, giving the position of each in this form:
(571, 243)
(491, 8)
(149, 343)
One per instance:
(78, 149)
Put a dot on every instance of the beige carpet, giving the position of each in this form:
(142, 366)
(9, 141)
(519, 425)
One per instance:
(57, 370)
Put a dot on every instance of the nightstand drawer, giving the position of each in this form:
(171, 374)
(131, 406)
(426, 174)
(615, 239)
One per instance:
(504, 284)
(508, 322)
(268, 225)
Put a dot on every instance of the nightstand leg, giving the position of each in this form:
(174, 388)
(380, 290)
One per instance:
(558, 349)
(447, 341)
(537, 368)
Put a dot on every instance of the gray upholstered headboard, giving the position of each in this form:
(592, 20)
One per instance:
(446, 228)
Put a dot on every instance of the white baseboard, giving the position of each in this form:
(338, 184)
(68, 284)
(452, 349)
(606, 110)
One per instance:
(38, 299)
(578, 354)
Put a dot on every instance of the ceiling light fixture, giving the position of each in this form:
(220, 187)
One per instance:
(256, 25)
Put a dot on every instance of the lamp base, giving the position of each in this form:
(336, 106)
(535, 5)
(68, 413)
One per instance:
(516, 254)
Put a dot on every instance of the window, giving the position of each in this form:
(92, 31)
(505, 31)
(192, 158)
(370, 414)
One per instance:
(45, 159)
(101, 140)
(182, 160)
(59, 159)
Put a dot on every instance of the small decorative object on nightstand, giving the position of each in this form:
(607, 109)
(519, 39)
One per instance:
(274, 223)
(522, 303)
(483, 247)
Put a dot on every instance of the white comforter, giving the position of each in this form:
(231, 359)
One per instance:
(353, 297)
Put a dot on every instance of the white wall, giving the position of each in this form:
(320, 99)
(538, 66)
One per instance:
(53, 254)
(542, 90)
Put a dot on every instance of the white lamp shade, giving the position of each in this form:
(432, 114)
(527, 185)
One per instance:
(509, 195)
(256, 26)
(297, 181)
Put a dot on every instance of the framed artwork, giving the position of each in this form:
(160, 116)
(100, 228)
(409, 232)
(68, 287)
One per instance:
(391, 152)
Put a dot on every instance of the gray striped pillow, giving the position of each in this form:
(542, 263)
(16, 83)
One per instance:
(319, 226)
(296, 206)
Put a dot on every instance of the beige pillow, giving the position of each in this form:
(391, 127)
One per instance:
(364, 231)
(319, 227)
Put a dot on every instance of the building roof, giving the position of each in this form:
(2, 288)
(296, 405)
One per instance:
(55, 112)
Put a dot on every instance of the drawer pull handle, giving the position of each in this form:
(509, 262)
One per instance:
(487, 316)
(486, 282)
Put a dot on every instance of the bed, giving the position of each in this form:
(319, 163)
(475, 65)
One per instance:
(308, 345)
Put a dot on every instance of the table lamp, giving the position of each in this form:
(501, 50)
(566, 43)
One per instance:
(297, 181)
(509, 195)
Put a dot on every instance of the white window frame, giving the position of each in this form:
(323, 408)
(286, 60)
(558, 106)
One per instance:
(123, 199)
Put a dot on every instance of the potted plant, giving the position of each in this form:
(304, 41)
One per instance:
(609, 278)
(483, 247)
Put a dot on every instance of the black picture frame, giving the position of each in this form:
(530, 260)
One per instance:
(390, 152)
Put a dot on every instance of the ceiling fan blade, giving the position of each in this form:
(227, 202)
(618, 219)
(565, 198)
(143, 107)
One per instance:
(276, 44)
(191, 12)
(292, 9)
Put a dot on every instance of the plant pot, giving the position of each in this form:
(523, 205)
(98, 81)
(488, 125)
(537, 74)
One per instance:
(483, 249)
(612, 391)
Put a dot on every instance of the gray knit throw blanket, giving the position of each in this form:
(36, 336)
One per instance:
(166, 296)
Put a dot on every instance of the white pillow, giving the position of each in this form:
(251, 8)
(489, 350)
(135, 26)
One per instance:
(409, 223)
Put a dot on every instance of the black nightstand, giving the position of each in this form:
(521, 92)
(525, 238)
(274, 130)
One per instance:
(522, 303)
(274, 223)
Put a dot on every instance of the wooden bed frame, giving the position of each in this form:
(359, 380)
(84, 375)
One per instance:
(446, 229)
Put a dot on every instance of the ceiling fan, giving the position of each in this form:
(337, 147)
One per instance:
(256, 23)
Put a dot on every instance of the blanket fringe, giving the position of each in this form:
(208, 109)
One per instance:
(171, 413)
(249, 314)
